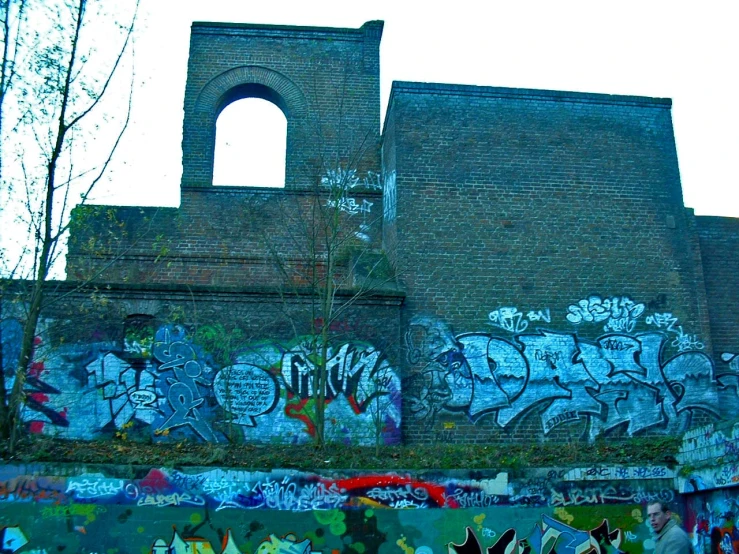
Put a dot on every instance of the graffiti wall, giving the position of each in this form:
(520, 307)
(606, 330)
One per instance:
(642, 371)
(164, 511)
(166, 384)
(608, 365)
(712, 518)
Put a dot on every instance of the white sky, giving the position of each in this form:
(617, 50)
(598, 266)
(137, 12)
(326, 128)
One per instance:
(681, 50)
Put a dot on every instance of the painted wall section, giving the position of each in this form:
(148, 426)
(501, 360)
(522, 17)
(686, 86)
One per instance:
(608, 365)
(712, 518)
(643, 373)
(165, 510)
(166, 385)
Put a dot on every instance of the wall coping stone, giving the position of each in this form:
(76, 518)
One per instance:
(443, 89)
(371, 29)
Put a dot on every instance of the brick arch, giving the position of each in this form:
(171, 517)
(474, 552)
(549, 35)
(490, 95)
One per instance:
(290, 98)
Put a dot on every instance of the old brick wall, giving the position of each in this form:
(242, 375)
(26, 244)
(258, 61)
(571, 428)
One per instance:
(531, 225)
(227, 236)
(326, 81)
(554, 285)
(215, 364)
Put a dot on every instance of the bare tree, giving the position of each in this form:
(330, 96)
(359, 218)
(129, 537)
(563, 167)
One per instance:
(60, 129)
(328, 263)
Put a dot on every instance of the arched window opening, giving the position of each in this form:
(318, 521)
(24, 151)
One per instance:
(251, 141)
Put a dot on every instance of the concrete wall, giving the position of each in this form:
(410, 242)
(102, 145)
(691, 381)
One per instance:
(53, 508)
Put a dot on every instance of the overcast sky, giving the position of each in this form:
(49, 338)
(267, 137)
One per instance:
(680, 50)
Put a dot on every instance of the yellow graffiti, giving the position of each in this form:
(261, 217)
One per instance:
(404, 547)
(637, 515)
(88, 511)
(364, 501)
(564, 515)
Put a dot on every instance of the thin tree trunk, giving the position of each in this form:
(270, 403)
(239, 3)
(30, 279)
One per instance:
(48, 241)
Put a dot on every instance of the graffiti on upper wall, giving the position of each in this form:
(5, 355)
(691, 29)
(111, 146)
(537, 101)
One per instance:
(624, 378)
(390, 197)
(169, 384)
(732, 359)
(341, 181)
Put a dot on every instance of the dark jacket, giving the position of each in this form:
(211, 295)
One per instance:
(672, 540)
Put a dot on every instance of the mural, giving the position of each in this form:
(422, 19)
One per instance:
(165, 511)
(654, 379)
(639, 371)
(710, 458)
(712, 518)
(551, 536)
(167, 384)
(295, 491)
(364, 532)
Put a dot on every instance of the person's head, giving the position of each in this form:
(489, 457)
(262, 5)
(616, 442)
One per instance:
(659, 514)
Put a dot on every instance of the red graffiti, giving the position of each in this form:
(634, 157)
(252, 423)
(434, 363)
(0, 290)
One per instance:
(297, 410)
(435, 492)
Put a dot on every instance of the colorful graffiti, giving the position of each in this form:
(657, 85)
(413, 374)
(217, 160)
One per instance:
(328, 532)
(219, 490)
(163, 510)
(360, 530)
(12, 539)
(711, 453)
(551, 536)
(168, 385)
(622, 379)
(712, 517)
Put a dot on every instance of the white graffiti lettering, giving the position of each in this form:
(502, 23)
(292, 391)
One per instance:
(94, 487)
(619, 312)
(509, 319)
(174, 499)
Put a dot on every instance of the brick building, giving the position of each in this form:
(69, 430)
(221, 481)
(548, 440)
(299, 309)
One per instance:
(497, 264)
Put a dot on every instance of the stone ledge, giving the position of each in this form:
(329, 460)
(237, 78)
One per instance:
(407, 87)
(371, 28)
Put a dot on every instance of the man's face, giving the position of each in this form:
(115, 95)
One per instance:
(657, 518)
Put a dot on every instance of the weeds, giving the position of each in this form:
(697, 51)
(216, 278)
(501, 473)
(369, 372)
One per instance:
(509, 456)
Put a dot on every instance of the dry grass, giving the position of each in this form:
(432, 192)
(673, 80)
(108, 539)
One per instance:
(647, 451)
